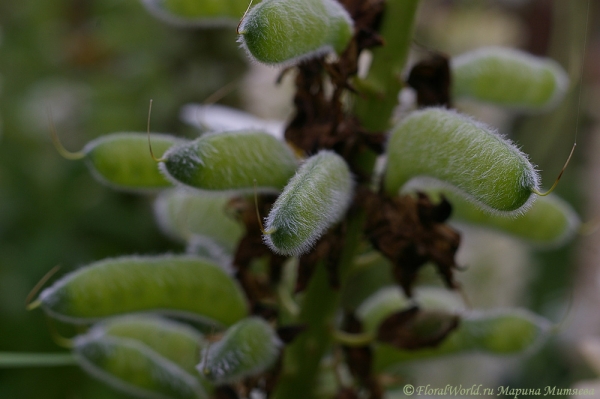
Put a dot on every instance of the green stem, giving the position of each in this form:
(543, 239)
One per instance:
(379, 91)
(12, 359)
(303, 357)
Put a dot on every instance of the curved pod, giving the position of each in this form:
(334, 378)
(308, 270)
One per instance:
(249, 347)
(315, 198)
(181, 285)
(468, 155)
(509, 78)
(231, 161)
(288, 31)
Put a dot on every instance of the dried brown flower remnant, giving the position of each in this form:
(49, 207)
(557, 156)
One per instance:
(431, 79)
(410, 232)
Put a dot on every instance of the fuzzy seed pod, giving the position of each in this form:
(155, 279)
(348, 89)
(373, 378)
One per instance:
(130, 366)
(548, 223)
(175, 341)
(315, 199)
(286, 32)
(249, 347)
(122, 160)
(509, 78)
(496, 332)
(180, 285)
(188, 215)
(231, 161)
(468, 155)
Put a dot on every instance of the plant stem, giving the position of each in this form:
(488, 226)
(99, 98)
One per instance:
(379, 91)
(303, 357)
(13, 359)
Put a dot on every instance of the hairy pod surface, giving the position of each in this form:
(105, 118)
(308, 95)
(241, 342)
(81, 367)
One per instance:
(316, 198)
(122, 160)
(173, 340)
(231, 161)
(194, 13)
(510, 78)
(249, 347)
(465, 154)
(180, 285)
(497, 332)
(548, 223)
(186, 215)
(288, 31)
(129, 365)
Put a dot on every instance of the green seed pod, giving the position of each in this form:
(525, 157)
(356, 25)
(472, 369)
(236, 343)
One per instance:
(315, 198)
(548, 223)
(123, 161)
(494, 332)
(130, 366)
(179, 285)
(200, 218)
(249, 347)
(509, 78)
(289, 31)
(173, 340)
(444, 145)
(391, 299)
(231, 161)
(194, 13)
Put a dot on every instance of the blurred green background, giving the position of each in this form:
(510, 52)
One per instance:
(96, 64)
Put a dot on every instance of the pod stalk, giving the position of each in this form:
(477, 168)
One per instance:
(60, 148)
(535, 191)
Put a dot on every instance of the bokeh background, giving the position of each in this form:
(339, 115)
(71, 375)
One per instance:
(94, 65)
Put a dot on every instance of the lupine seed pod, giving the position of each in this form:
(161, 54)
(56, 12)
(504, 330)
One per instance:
(173, 340)
(122, 160)
(231, 161)
(391, 299)
(548, 223)
(288, 31)
(180, 285)
(497, 332)
(197, 13)
(130, 366)
(249, 347)
(316, 198)
(465, 154)
(509, 78)
(185, 215)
